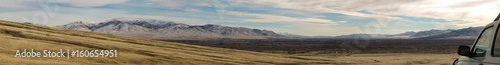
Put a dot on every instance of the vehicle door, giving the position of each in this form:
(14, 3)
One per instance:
(479, 48)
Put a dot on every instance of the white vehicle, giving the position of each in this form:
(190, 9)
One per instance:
(485, 50)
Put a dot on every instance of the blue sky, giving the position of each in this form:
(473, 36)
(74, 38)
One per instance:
(304, 17)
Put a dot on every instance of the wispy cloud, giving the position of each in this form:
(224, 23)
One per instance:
(320, 6)
(89, 3)
(177, 4)
(475, 12)
(193, 10)
(277, 18)
(10, 5)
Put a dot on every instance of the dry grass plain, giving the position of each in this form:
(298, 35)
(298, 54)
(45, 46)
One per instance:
(394, 59)
(18, 36)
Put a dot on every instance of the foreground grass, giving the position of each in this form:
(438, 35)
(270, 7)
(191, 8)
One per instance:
(394, 59)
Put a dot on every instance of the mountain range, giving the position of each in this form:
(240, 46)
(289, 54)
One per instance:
(465, 33)
(167, 29)
(170, 30)
(288, 34)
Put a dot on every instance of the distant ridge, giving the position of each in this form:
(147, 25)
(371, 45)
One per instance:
(471, 32)
(288, 34)
(168, 29)
(465, 33)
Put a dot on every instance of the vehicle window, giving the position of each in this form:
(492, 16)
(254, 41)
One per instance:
(496, 47)
(483, 42)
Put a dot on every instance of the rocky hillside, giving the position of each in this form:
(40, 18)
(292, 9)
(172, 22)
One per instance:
(166, 29)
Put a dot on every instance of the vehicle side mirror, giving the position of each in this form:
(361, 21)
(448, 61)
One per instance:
(464, 50)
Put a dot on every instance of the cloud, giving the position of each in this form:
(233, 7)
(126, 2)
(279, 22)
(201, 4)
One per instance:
(193, 10)
(277, 18)
(90, 3)
(475, 13)
(18, 5)
(86, 14)
(319, 6)
(167, 3)
(179, 4)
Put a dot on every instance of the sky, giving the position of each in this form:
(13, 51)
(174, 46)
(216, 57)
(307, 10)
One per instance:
(303, 17)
